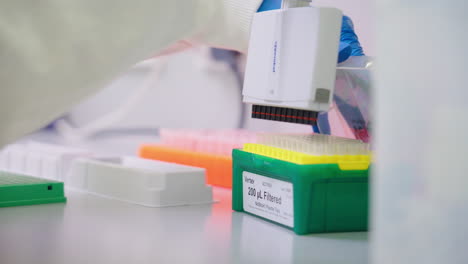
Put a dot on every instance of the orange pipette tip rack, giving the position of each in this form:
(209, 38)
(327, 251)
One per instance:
(218, 167)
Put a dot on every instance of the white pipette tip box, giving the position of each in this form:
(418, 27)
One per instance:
(140, 181)
(40, 160)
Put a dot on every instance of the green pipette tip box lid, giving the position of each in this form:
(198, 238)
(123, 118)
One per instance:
(16, 190)
(313, 198)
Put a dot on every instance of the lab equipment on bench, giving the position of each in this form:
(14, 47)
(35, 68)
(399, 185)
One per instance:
(140, 181)
(40, 160)
(209, 149)
(319, 185)
(129, 179)
(17, 189)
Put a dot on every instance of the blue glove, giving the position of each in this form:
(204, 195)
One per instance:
(269, 5)
(349, 42)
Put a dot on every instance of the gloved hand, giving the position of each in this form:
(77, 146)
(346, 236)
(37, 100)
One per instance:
(269, 5)
(349, 42)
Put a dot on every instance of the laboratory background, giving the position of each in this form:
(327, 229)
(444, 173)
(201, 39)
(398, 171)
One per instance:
(295, 151)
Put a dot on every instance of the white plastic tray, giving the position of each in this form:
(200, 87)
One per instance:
(140, 181)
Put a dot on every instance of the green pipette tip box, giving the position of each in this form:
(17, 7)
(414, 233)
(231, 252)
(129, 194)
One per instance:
(315, 198)
(16, 190)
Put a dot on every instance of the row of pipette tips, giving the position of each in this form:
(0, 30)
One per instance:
(315, 144)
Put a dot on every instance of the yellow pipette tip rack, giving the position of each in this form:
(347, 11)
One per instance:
(345, 162)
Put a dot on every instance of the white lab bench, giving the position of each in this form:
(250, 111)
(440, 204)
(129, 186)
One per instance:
(93, 229)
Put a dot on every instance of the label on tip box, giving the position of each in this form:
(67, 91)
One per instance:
(269, 198)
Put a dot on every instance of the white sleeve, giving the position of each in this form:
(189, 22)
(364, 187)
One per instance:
(54, 53)
(230, 25)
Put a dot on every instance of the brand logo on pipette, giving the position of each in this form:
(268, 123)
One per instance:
(275, 48)
(249, 180)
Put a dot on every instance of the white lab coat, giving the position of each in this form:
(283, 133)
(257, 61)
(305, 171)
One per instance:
(54, 53)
